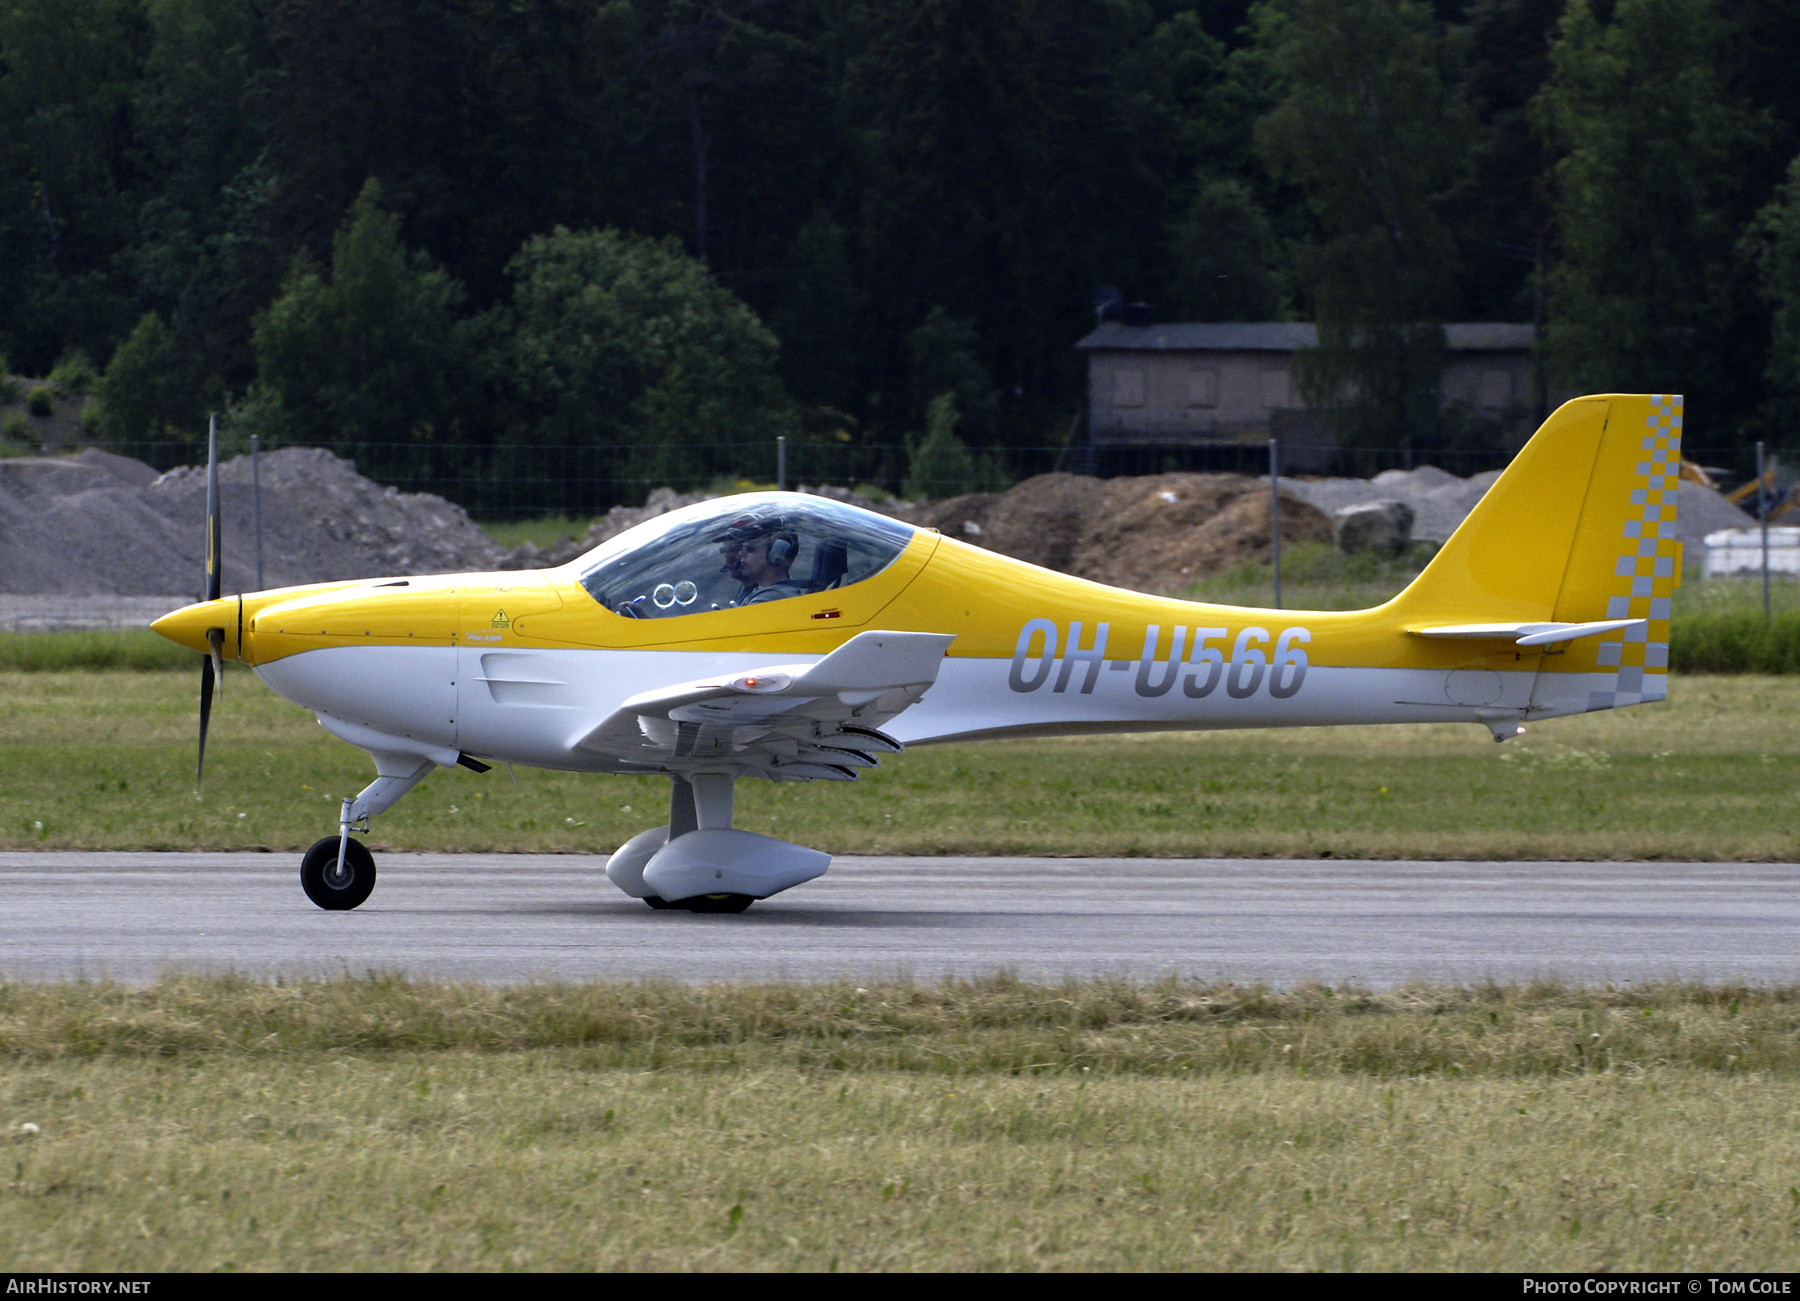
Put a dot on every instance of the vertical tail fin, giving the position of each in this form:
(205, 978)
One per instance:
(1579, 530)
(1625, 564)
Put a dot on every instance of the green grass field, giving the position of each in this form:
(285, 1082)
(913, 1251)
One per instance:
(104, 760)
(380, 1124)
(542, 531)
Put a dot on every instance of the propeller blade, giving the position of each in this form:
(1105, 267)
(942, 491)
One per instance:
(214, 578)
(215, 640)
(212, 668)
(206, 699)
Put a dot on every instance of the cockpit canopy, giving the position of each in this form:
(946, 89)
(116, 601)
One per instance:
(736, 551)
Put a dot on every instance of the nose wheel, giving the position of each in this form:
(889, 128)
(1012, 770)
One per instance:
(328, 886)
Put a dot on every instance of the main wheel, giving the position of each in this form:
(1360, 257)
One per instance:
(717, 903)
(657, 902)
(318, 874)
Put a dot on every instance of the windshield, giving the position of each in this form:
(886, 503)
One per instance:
(735, 551)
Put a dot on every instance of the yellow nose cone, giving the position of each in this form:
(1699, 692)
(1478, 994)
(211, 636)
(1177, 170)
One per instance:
(188, 626)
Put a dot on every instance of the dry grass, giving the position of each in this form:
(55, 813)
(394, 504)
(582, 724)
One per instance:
(204, 1124)
(999, 1025)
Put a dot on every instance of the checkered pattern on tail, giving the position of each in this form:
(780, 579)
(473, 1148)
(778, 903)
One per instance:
(1648, 568)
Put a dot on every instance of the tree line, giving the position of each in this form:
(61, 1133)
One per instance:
(682, 227)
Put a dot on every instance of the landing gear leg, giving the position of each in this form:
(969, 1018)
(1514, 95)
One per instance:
(712, 796)
(338, 873)
(625, 868)
(698, 863)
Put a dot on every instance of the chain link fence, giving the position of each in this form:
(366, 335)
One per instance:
(524, 481)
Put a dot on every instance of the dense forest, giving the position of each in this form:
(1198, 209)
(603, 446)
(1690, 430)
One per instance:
(529, 227)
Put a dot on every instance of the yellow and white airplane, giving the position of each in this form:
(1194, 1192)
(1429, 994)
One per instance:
(795, 638)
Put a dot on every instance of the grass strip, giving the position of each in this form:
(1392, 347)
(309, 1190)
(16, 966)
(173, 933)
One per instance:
(218, 1124)
(62, 652)
(105, 760)
(1001, 1024)
(1737, 641)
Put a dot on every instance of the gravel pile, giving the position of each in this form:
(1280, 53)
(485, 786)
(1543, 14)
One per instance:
(97, 524)
(1440, 500)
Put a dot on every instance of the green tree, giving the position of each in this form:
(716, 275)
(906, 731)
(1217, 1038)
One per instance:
(484, 121)
(1368, 131)
(1500, 210)
(66, 174)
(145, 395)
(622, 354)
(373, 354)
(944, 356)
(1653, 187)
(1006, 160)
(204, 256)
(820, 316)
(941, 465)
(1774, 242)
(1227, 261)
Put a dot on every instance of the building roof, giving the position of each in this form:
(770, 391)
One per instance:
(1282, 336)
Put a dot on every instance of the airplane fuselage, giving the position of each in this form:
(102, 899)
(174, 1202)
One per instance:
(517, 667)
(796, 638)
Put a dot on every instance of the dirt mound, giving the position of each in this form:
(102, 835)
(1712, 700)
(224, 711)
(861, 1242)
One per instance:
(1159, 532)
(1163, 533)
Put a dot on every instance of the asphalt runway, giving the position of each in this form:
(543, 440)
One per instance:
(507, 918)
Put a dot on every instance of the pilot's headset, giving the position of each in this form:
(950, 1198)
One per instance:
(784, 545)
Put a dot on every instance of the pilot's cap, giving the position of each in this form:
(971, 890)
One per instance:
(746, 527)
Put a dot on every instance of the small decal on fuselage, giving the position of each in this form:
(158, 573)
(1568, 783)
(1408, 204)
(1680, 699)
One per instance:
(1253, 665)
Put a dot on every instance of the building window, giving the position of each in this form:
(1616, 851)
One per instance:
(1128, 387)
(1203, 388)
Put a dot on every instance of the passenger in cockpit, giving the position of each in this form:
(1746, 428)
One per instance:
(758, 552)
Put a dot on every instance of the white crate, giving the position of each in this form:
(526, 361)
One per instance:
(1739, 551)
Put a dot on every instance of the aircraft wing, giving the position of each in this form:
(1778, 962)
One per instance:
(791, 722)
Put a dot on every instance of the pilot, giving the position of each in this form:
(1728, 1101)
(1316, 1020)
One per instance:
(758, 552)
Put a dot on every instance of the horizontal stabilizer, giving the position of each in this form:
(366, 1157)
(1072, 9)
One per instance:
(1527, 634)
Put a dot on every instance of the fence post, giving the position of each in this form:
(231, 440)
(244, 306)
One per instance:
(256, 503)
(1275, 513)
(1762, 515)
(781, 461)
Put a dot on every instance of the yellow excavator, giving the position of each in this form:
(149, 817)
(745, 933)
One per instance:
(1781, 499)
